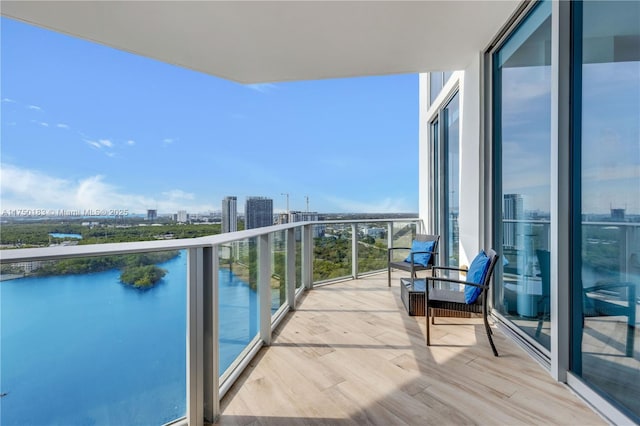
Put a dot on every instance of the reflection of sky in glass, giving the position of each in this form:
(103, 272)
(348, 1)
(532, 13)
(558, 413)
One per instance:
(453, 142)
(526, 133)
(611, 137)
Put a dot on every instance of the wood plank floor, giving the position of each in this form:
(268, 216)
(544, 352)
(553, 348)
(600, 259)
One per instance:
(350, 356)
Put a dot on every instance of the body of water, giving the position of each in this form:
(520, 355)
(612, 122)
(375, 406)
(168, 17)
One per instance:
(88, 350)
(59, 235)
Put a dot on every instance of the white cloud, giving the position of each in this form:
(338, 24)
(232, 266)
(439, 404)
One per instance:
(35, 107)
(62, 126)
(262, 87)
(131, 142)
(168, 140)
(99, 144)
(43, 124)
(8, 100)
(22, 188)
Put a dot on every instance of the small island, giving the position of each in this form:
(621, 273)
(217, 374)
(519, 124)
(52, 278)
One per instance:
(144, 276)
(138, 269)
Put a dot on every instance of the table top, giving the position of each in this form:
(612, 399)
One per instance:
(419, 284)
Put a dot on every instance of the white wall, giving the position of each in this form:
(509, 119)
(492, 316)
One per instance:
(471, 176)
(424, 189)
(468, 83)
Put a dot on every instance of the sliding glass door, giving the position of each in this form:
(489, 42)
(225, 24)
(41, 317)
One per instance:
(445, 135)
(522, 135)
(606, 244)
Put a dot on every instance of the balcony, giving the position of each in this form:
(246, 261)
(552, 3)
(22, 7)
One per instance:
(308, 340)
(350, 355)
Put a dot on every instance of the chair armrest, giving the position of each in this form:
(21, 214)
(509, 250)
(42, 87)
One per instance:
(454, 281)
(449, 268)
(398, 248)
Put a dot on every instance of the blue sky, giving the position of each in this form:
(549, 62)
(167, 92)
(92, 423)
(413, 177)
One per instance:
(89, 127)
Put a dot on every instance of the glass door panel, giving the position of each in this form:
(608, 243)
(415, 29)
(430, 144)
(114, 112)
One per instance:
(606, 273)
(522, 135)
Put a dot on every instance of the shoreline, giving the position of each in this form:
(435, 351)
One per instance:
(7, 277)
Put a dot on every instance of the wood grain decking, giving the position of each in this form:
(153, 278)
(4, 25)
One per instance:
(350, 355)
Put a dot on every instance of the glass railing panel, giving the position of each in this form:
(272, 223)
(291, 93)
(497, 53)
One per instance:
(238, 298)
(403, 235)
(331, 251)
(372, 247)
(298, 233)
(278, 270)
(95, 340)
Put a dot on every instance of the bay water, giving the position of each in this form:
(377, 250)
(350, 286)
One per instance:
(88, 350)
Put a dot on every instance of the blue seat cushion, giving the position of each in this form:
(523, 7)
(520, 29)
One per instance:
(476, 273)
(421, 258)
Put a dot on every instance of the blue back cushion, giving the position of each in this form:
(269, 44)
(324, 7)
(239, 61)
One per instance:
(476, 273)
(421, 258)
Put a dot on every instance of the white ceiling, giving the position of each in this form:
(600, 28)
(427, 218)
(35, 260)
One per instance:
(265, 41)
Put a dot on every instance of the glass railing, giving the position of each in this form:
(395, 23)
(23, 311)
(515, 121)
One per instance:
(80, 347)
(402, 235)
(332, 252)
(279, 270)
(237, 299)
(372, 247)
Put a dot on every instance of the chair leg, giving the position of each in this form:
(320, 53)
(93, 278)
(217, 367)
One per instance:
(389, 275)
(630, 332)
(539, 328)
(427, 317)
(489, 333)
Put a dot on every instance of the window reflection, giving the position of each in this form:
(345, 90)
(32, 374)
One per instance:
(606, 287)
(451, 190)
(437, 80)
(522, 81)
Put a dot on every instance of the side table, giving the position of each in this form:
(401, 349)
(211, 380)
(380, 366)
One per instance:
(412, 295)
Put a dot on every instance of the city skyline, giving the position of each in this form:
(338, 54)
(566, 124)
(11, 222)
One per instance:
(85, 126)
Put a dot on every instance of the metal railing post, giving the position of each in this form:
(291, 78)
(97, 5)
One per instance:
(307, 257)
(264, 287)
(354, 250)
(195, 356)
(290, 275)
(211, 341)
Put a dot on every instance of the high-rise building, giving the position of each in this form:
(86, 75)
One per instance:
(152, 214)
(512, 211)
(182, 217)
(258, 212)
(297, 216)
(230, 214)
